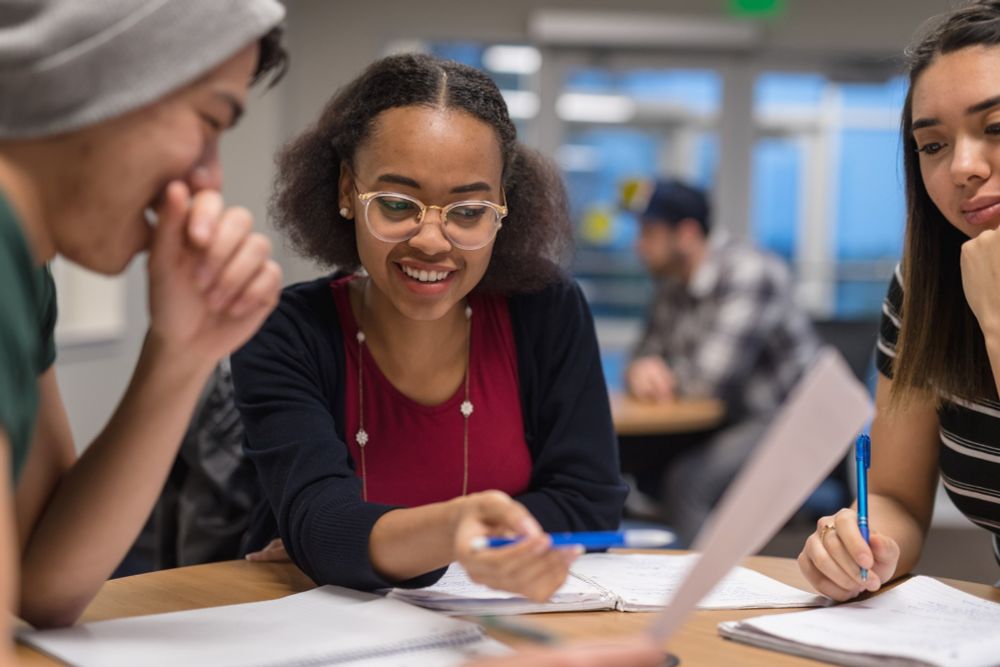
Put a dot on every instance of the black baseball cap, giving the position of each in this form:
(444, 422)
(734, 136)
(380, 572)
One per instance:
(668, 201)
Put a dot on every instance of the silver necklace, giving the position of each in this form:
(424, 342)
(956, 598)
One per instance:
(361, 437)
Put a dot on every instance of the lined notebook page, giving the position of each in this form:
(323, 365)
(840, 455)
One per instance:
(919, 622)
(627, 582)
(642, 582)
(324, 626)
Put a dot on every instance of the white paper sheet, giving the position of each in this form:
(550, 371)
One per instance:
(643, 582)
(921, 620)
(809, 435)
(627, 582)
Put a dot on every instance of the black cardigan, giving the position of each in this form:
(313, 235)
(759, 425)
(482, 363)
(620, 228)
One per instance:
(290, 392)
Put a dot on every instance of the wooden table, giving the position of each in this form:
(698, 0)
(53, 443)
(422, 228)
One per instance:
(697, 642)
(685, 415)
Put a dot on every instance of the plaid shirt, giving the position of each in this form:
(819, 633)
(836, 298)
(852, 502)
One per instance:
(734, 332)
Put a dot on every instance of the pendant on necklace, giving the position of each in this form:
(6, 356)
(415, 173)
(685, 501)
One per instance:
(466, 408)
(362, 437)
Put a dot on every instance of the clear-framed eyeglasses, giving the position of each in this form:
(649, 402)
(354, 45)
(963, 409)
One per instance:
(395, 217)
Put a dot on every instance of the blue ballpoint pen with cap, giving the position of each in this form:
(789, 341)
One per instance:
(863, 459)
(602, 539)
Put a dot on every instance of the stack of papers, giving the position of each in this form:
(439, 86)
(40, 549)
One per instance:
(625, 582)
(919, 622)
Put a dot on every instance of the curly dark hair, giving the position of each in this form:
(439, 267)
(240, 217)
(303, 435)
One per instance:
(941, 346)
(536, 234)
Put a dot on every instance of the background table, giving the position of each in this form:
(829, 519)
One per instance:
(697, 642)
(633, 417)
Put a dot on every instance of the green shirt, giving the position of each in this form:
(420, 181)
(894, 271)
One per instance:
(27, 324)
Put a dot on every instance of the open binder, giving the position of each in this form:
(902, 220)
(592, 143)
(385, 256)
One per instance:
(624, 582)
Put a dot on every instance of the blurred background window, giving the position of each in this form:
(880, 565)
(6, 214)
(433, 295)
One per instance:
(824, 175)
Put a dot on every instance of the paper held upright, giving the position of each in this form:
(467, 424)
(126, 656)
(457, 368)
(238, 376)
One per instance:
(810, 434)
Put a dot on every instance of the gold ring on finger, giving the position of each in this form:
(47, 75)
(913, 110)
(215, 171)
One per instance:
(826, 529)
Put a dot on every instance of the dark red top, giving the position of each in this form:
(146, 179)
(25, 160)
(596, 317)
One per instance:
(414, 453)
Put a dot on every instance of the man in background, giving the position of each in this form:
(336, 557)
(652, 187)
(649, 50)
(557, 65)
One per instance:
(723, 324)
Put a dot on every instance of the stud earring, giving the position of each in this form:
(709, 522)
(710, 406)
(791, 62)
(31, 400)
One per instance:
(345, 212)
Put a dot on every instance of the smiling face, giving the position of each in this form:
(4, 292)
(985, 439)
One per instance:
(439, 156)
(122, 166)
(956, 127)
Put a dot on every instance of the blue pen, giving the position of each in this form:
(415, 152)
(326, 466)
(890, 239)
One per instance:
(636, 539)
(863, 459)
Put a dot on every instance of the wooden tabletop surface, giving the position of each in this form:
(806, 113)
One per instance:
(634, 417)
(231, 582)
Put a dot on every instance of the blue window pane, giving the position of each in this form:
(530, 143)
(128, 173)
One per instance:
(707, 156)
(613, 363)
(859, 299)
(590, 81)
(871, 208)
(620, 154)
(888, 96)
(776, 169)
(784, 89)
(695, 89)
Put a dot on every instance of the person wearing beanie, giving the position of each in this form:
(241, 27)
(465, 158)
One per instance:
(110, 118)
(723, 324)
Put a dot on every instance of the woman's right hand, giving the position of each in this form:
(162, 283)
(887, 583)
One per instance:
(530, 567)
(833, 556)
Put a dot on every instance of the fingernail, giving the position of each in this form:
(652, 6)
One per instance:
(200, 228)
(528, 527)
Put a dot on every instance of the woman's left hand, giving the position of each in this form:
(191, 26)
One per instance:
(529, 567)
(273, 552)
(981, 277)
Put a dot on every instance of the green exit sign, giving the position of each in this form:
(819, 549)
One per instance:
(756, 8)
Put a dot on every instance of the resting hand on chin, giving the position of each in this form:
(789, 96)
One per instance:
(211, 278)
(980, 277)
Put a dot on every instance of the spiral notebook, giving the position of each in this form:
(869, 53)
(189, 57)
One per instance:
(325, 626)
(919, 622)
(625, 582)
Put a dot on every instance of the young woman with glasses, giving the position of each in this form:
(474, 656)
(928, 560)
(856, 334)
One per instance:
(445, 385)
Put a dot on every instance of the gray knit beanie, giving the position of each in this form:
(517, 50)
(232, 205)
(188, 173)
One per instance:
(65, 64)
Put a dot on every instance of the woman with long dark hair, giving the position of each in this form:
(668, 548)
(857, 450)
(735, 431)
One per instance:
(939, 347)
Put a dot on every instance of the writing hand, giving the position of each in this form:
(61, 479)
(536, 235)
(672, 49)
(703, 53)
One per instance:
(833, 556)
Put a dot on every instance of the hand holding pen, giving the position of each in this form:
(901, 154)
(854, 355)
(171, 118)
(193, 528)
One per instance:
(844, 558)
(533, 567)
(863, 460)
